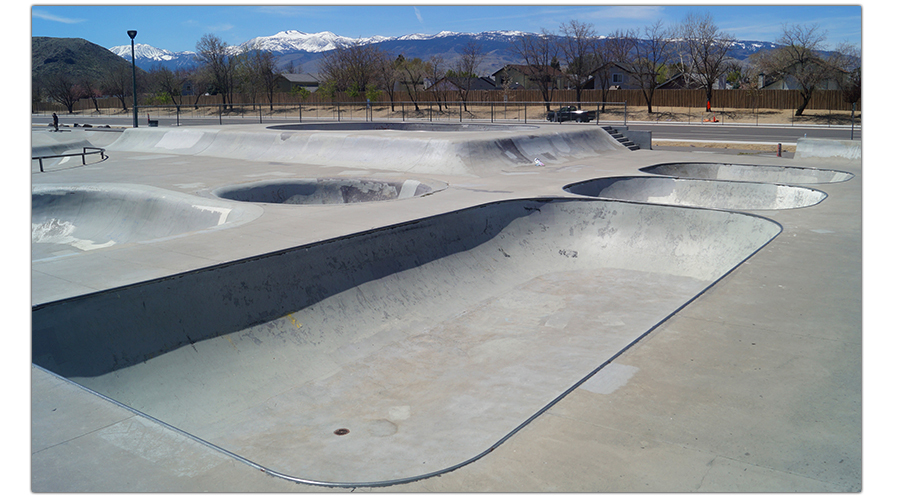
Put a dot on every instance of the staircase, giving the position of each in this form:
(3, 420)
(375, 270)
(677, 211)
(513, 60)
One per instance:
(621, 138)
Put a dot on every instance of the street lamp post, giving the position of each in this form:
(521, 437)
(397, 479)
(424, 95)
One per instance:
(132, 34)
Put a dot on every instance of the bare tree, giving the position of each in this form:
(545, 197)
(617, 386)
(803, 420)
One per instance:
(644, 58)
(90, 88)
(199, 79)
(848, 72)
(255, 73)
(246, 81)
(262, 67)
(603, 64)
(117, 83)
(214, 54)
(386, 74)
(579, 46)
(466, 68)
(351, 67)
(413, 71)
(62, 88)
(167, 83)
(437, 71)
(538, 52)
(799, 60)
(707, 48)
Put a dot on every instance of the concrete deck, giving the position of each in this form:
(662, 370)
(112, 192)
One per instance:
(755, 384)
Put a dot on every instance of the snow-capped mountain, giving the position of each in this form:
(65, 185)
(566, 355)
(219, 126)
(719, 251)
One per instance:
(742, 49)
(300, 49)
(304, 49)
(298, 41)
(147, 56)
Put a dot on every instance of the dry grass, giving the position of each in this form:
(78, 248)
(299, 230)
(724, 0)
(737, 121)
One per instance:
(767, 148)
(745, 116)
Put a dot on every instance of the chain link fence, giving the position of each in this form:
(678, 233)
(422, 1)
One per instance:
(404, 111)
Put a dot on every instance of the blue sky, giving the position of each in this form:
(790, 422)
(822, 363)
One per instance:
(179, 27)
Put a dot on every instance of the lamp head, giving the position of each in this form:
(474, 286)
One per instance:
(132, 33)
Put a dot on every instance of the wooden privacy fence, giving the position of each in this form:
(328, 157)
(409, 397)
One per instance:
(765, 99)
(739, 99)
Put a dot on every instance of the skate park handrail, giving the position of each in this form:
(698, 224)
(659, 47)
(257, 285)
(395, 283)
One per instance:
(84, 152)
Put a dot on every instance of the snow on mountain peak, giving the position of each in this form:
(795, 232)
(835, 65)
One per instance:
(144, 51)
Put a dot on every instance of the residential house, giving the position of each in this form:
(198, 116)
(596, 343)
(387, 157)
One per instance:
(526, 76)
(456, 84)
(685, 81)
(789, 82)
(618, 77)
(289, 81)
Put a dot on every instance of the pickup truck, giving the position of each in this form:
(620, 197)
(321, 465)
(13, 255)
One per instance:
(568, 113)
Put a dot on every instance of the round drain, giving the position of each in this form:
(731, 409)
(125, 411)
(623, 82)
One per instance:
(342, 432)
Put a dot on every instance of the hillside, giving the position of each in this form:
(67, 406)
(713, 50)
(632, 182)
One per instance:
(74, 56)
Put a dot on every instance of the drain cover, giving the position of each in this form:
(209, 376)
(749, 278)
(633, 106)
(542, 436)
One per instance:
(342, 431)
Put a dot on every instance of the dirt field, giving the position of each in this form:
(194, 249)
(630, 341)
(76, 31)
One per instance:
(499, 111)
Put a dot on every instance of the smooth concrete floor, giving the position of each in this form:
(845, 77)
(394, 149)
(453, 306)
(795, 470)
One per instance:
(755, 386)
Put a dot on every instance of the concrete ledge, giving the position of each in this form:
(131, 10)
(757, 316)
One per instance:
(826, 148)
(643, 138)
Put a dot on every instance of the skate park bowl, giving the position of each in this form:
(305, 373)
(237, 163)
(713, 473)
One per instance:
(722, 195)
(397, 353)
(59, 150)
(407, 126)
(67, 219)
(323, 191)
(749, 173)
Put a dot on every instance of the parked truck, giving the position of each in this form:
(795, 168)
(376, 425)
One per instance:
(571, 113)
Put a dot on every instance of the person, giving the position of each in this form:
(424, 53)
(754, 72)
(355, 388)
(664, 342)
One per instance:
(55, 122)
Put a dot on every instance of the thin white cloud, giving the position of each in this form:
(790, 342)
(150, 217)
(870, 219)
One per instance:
(418, 15)
(220, 27)
(631, 12)
(50, 17)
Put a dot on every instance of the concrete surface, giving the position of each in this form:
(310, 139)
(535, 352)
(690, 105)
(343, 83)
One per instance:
(753, 385)
(817, 148)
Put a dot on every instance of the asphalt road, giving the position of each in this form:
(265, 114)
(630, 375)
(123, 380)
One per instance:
(710, 132)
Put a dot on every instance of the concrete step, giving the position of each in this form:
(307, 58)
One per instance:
(618, 136)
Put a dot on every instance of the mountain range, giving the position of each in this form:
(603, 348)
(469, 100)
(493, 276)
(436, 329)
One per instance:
(304, 50)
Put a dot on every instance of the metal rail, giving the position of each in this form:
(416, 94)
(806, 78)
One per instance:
(84, 152)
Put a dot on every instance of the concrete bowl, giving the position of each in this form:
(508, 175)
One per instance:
(327, 191)
(424, 343)
(406, 126)
(750, 173)
(67, 219)
(703, 193)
